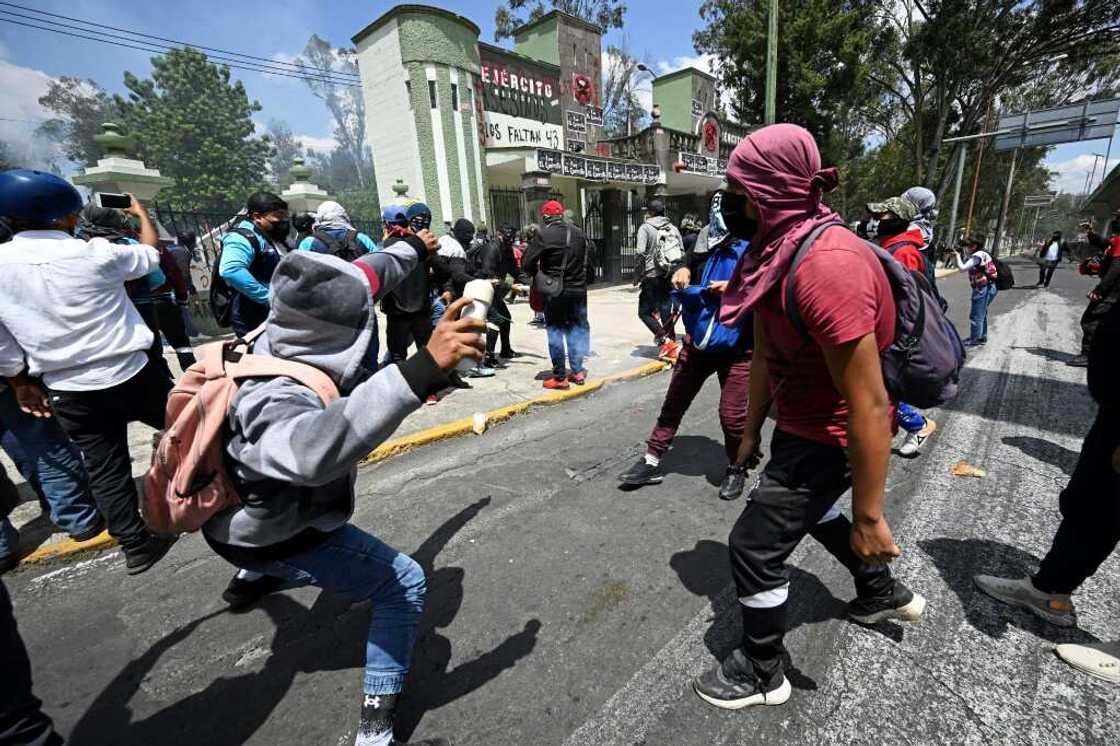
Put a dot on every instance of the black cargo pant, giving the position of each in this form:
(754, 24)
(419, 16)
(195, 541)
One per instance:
(795, 496)
(656, 295)
(404, 329)
(1090, 505)
(1090, 320)
(171, 323)
(97, 422)
(22, 722)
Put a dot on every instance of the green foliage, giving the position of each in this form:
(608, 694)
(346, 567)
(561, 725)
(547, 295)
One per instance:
(193, 123)
(360, 204)
(511, 14)
(822, 66)
(285, 149)
(81, 107)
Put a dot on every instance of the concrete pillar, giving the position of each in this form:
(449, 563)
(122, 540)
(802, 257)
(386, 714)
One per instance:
(536, 186)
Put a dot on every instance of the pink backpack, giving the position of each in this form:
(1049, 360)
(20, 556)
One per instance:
(187, 482)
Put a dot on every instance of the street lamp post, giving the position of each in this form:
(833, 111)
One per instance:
(639, 68)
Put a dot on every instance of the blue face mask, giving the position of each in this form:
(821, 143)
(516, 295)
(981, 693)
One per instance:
(420, 223)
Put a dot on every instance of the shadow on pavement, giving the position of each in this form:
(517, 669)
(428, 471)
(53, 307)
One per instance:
(958, 560)
(330, 636)
(1045, 451)
(696, 456)
(705, 571)
(1054, 356)
(998, 395)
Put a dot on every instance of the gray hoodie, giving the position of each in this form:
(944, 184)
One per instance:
(647, 244)
(293, 458)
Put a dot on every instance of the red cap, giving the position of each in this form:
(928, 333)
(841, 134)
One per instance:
(552, 208)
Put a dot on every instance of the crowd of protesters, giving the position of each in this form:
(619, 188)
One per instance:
(87, 293)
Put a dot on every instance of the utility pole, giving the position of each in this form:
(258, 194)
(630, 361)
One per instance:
(1006, 200)
(976, 173)
(772, 65)
(961, 157)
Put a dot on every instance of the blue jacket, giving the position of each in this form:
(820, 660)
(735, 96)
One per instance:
(700, 306)
(248, 273)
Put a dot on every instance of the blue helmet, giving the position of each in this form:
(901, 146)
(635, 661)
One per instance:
(36, 196)
(419, 216)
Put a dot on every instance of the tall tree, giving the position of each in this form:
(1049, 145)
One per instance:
(345, 103)
(193, 123)
(511, 14)
(945, 62)
(81, 106)
(285, 149)
(823, 63)
(622, 112)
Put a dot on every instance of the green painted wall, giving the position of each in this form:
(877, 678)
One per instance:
(540, 42)
(674, 96)
(422, 118)
(434, 38)
(470, 134)
(454, 158)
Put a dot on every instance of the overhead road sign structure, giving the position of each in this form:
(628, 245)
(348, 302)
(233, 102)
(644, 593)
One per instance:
(1087, 120)
(1039, 200)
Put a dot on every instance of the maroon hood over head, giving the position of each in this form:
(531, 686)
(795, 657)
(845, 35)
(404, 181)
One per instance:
(779, 168)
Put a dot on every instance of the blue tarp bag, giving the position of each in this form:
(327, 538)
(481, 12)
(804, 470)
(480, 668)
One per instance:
(700, 306)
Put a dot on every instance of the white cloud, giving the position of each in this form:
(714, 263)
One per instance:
(316, 143)
(22, 114)
(1070, 175)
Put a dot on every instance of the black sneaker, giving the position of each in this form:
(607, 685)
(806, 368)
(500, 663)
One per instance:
(493, 361)
(240, 594)
(725, 686)
(457, 380)
(89, 533)
(733, 482)
(640, 474)
(143, 557)
(509, 355)
(902, 604)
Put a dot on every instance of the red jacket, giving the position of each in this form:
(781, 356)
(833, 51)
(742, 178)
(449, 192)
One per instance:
(906, 248)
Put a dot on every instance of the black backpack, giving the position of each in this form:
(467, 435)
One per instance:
(1005, 278)
(923, 363)
(474, 256)
(221, 294)
(347, 248)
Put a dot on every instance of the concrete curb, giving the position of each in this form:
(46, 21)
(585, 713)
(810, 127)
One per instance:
(463, 426)
(396, 446)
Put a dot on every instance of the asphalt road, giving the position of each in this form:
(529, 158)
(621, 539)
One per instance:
(562, 610)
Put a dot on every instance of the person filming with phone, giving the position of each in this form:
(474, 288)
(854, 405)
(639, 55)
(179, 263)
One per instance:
(66, 319)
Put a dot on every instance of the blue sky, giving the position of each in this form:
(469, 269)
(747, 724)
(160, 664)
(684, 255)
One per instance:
(658, 31)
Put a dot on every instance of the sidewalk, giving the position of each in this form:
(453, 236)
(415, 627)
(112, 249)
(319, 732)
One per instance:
(619, 342)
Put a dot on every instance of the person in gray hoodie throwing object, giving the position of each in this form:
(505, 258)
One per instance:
(294, 459)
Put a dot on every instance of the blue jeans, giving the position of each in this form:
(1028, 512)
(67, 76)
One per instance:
(565, 317)
(909, 419)
(359, 566)
(51, 464)
(978, 316)
(438, 309)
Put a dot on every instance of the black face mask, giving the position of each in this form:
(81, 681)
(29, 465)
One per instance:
(733, 209)
(279, 229)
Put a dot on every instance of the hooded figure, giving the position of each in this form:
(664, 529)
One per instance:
(293, 458)
(785, 185)
(926, 202)
(332, 216)
(332, 233)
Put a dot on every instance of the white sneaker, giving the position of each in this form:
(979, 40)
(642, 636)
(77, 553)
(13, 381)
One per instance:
(912, 443)
(1100, 659)
(1056, 608)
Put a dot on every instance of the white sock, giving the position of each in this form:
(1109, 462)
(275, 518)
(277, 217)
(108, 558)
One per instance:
(653, 460)
(374, 739)
(249, 575)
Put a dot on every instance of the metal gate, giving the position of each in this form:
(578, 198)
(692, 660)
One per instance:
(506, 207)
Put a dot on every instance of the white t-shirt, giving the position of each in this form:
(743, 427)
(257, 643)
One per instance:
(1051, 254)
(64, 312)
(450, 247)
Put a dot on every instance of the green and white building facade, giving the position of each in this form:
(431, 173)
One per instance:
(489, 134)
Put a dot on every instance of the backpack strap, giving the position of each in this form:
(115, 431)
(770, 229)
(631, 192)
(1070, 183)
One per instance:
(792, 311)
(261, 366)
(249, 236)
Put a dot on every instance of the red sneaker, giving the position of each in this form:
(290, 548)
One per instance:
(669, 351)
(432, 400)
(578, 378)
(555, 383)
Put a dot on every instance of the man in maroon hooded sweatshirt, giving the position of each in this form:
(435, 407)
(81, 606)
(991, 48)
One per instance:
(834, 415)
